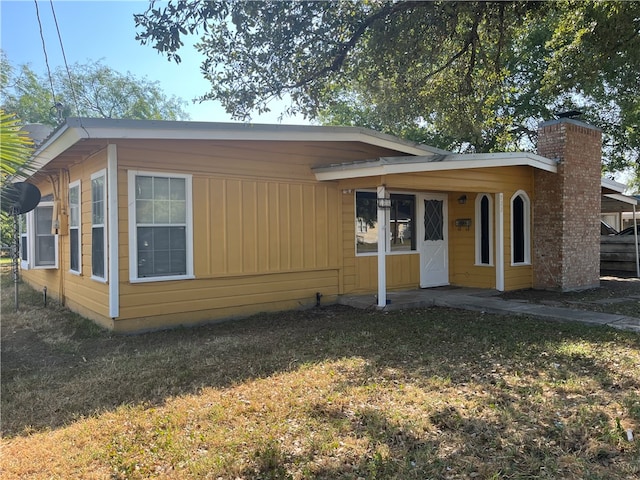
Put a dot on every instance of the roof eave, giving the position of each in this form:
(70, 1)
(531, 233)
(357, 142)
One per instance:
(180, 130)
(399, 165)
(59, 141)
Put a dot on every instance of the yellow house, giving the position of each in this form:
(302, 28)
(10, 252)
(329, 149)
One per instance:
(152, 224)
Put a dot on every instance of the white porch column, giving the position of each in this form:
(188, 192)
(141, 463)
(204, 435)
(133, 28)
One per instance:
(112, 229)
(383, 220)
(500, 242)
(635, 237)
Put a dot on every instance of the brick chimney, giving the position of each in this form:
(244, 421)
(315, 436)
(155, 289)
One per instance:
(566, 207)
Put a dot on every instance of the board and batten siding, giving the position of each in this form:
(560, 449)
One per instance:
(259, 244)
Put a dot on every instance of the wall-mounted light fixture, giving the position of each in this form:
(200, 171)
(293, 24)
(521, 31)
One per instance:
(462, 199)
(384, 203)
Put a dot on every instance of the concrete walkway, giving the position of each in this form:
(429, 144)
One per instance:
(486, 301)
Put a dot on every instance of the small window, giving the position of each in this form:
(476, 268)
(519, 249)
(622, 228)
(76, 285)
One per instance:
(44, 242)
(38, 243)
(433, 220)
(484, 229)
(24, 241)
(161, 223)
(75, 236)
(401, 223)
(520, 228)
(98, 228)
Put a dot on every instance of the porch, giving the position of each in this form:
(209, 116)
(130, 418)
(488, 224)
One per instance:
(488, 301)
(416, 298)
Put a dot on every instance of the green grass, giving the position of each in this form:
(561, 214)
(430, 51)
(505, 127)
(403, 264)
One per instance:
(324, 393)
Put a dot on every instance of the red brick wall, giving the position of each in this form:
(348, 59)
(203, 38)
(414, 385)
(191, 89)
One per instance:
(566, 207)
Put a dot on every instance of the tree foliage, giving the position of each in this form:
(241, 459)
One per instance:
(15, 149)
(87, 90)
(468, 76)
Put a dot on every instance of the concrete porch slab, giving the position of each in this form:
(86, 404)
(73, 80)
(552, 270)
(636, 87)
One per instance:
(486, 301)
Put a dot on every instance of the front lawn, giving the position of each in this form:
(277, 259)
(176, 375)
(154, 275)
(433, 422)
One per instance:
(324, 393)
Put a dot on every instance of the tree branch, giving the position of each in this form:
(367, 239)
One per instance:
(341, 55)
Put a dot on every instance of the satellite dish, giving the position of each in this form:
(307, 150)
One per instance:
(20, 197)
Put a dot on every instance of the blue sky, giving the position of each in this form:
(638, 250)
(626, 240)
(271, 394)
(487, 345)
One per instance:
(105, 30)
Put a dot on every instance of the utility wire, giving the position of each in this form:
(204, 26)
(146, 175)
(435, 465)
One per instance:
(66, 66)
(46, 58)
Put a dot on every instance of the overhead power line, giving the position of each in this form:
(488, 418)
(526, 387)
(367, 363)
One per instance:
(64, 57)
(44, 49)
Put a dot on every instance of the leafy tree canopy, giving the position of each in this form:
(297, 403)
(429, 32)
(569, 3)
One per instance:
(15, 149)
(87, 90)
(467, 76)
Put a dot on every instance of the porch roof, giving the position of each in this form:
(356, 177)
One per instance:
(613, 198)
(460, 161)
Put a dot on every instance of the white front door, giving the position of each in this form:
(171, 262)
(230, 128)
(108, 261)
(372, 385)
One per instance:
(433, 240)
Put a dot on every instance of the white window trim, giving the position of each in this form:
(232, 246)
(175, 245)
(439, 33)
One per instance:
(31, 229)
(98, 174)
(25, 265)
(479, 198)
(389, 252)
(72, 185)
(527, 228)
(133, 230)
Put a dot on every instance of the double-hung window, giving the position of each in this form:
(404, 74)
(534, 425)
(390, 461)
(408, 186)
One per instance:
(98, 226)
(402, 219)
(45, 242)
(160, 221)
(38, 239)
(75, 234)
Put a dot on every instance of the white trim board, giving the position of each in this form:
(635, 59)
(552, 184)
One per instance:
(397, 165)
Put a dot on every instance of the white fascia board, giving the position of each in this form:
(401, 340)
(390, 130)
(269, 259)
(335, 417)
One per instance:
(622, 198)
(398, 165)
(179, 130)
(60, 141)
(612, 185)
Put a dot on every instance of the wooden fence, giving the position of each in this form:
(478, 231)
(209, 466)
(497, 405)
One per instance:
(618, 253)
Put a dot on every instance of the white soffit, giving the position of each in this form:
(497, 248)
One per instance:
(397, 165)
(620, 198)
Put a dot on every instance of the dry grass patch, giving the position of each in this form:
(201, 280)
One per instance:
(325, 393)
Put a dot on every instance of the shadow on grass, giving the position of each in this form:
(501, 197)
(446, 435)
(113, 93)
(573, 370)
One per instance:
(57, 367)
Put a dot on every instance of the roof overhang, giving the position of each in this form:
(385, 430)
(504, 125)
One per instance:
(613, 199)
(77, 129)
(433, 163)
(611, 186)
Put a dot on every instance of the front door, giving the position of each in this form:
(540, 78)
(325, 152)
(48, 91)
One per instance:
(433, 240)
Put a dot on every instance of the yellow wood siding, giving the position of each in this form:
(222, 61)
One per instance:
(360, 273)
(267, 235)
(259, 243)
(85, 295)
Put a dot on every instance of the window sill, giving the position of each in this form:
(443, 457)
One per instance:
(174, 278)
(490, 265)
(523, 264)
(99, 279)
